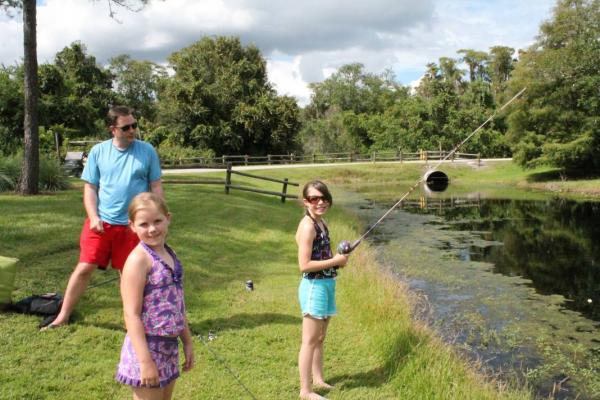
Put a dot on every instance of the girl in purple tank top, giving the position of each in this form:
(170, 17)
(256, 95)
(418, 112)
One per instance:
(153, 305)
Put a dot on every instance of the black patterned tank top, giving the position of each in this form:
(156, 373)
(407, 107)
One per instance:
(321, 250)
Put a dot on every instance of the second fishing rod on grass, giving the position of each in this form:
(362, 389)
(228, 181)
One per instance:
(346, 247)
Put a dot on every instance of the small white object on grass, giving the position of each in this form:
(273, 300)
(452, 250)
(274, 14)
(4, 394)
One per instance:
(590, 301)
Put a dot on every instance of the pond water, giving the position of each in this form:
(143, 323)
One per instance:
(512, 282)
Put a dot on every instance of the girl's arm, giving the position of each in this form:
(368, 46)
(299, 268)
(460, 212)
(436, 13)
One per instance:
(133, 280)
(188, 347)
(304, 237)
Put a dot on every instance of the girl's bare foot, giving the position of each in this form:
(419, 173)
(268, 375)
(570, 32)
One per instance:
(312, 396)
(323, 385)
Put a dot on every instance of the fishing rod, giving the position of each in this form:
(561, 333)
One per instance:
(345, 247)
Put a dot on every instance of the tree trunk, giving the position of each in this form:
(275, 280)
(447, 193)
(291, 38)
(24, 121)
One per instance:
(31, 157)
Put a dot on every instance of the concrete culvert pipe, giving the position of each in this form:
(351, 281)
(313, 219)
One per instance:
(436, 181)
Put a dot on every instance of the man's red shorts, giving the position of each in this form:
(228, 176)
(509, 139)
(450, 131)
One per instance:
(113, 245)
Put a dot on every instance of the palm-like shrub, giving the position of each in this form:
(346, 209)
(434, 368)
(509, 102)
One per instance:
(52, 176)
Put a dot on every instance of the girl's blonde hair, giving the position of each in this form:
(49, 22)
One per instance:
(145, 199)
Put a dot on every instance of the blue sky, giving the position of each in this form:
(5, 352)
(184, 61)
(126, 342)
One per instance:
(303, 41)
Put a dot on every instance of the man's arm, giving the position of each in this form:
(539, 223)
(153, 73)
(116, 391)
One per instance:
(90, 203)
(156, 188)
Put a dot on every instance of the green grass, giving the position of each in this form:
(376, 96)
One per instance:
(374, 349)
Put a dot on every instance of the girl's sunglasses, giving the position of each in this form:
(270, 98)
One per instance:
(315, 199)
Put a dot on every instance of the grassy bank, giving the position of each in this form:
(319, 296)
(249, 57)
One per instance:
(374, 349)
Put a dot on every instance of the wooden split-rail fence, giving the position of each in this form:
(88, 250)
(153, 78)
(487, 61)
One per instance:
(227, 182)
(273, 159)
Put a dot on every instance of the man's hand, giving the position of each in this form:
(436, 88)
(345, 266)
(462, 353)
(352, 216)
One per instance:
(96, 225)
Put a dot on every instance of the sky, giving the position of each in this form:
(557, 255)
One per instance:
(303, 41)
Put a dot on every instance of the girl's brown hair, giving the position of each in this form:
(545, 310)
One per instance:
(145, 199)
(321, 187)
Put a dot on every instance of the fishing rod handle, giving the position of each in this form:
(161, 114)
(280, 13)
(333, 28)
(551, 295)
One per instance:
(345, 247)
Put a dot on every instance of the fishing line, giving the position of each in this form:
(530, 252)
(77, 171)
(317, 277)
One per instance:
(345, 247)
(231, 372)
(114, 278)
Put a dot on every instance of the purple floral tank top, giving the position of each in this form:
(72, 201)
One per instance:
(163, 309)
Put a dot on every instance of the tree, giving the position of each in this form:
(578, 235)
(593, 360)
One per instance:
(30, 169)
(476, 61)
(77, 91)
(137, 83)
(11, 110)
(351, 88)
(349, 102)
(558, 124)
(451, 74)
(219, 98)
(501, 64)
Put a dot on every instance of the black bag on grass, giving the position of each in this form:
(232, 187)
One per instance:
(39, 304)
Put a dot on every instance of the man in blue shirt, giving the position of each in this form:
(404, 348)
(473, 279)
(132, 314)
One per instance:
(116, 170)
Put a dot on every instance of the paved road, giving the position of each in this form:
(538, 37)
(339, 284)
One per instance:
(253, 167)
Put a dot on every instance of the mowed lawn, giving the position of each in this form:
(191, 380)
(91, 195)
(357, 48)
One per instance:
(373, 351)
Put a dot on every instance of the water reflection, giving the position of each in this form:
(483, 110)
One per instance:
(552, 243)
(507, 281)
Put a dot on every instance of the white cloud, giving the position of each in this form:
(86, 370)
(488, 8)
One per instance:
(302, 41)
(286, 78)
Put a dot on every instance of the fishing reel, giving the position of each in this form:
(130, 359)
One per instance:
(345, 247)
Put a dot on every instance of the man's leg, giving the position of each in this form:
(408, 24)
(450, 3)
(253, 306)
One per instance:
(75, 288)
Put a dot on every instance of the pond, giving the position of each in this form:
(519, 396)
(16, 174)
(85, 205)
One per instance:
(512, 282)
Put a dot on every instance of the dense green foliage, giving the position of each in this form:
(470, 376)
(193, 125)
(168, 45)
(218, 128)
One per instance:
(136, 83)
(220, 99)
(52, 176)
(359, 111)
(214, 98)
(559, 123)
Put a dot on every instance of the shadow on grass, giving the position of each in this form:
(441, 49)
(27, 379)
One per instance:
(545, 176)
(401, 348)
(560, 174)
(243, 321)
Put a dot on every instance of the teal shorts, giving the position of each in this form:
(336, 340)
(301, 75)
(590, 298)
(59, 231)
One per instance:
(317, 297)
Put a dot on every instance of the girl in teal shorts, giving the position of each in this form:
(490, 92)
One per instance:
(317, 287)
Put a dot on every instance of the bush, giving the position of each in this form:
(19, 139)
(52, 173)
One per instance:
(52, 177)
(175, 154)
(10, 170)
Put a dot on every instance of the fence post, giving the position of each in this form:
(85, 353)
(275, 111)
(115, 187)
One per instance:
(292, 158)
(400, 156)
(373, 157)
(223, 159)
(284, 191)
(269, 159)
(246, 159)
(314, 158)
(426, 153)
(350, 157)
(479, 159)
(228, 178)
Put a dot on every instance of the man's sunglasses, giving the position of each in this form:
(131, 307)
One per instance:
(125, 128)
(315, 199)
